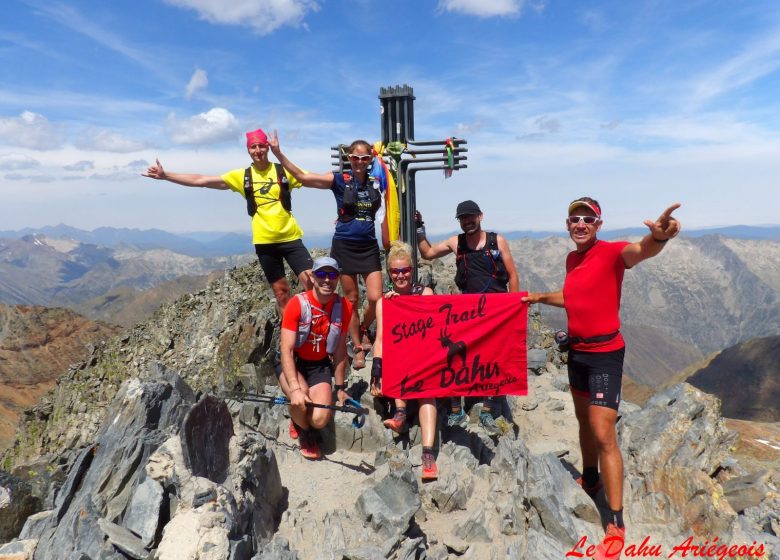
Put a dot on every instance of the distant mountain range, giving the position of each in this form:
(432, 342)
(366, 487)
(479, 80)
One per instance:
(210, 244)
(41, 270)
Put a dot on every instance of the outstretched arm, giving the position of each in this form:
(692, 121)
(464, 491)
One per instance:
(315, 180)
(548, 298)
(662, 230)
(428, 251)
(509, 263)
(156, 171)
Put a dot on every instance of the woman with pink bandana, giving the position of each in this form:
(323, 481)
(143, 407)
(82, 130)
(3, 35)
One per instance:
(275, 233)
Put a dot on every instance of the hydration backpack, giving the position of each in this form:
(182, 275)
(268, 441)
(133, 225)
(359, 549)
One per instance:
(284, 190)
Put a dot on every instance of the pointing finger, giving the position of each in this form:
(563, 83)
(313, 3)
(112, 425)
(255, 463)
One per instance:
(668, 212)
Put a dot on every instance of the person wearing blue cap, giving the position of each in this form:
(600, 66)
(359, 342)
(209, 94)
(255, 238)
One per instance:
(313, 351)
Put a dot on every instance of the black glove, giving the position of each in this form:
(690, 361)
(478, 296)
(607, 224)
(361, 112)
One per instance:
(376, 373)
(420, 225)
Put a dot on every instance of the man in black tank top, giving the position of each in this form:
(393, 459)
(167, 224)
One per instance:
(483, 265)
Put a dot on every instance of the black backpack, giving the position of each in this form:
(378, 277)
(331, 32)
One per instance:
(284, 190)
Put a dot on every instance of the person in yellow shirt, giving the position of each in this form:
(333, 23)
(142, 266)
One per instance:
(275, 233)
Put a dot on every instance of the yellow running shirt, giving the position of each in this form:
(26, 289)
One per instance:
(271, 223)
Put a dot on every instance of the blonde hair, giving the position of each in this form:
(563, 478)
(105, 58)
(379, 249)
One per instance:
(399, 250)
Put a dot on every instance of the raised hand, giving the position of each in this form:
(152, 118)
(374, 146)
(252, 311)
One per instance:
(666, 226)
(155, 171)
(273, 144)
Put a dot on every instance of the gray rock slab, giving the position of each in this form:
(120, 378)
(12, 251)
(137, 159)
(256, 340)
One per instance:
(22, 549)
(16, 503)
(747, 491)
(205, 440)
(390, 504)
(36, 523)
(123, 539)
(537, 359)
(143, 513)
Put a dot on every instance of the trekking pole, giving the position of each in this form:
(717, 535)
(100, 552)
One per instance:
(351, 406)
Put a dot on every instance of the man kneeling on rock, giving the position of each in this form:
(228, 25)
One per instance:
(313, 348)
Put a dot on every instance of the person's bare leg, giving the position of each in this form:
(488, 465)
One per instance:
(602, 426)
(350, 288)
(373, 282)
(305, 279)
(321, 393)
(427, 416)
(281, 289)
(588, 449)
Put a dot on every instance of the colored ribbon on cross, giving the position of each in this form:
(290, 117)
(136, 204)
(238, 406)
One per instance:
(454, 345)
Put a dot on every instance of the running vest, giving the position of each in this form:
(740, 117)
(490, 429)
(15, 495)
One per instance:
(304, 323)
(481, 270)
(284, 190)
(349, 200)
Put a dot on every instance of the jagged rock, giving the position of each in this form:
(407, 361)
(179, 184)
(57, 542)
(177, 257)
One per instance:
(102, 481)
(196, 535)
(124, 540)
(449, 493)
(537, 360)
(541, 546)
(277, 549)
(565, 510)
(475, 528)
(390, 504)
(766, 515)
(673, 446)
(746, 491)
(206, 434)
(143, 513)
(18, 550)
(16, 503)
(36, 524)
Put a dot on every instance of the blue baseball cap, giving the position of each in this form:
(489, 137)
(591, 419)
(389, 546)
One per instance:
(325, 262)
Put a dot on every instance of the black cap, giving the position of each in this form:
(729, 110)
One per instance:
(467, 208)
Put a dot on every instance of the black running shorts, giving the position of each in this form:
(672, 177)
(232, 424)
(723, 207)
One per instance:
(598, 375)
(273, 255)
(315, 372)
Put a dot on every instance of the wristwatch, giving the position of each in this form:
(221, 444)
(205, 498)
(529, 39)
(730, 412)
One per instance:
(340, 387)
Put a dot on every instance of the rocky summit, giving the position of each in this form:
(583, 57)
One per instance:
(136, 454)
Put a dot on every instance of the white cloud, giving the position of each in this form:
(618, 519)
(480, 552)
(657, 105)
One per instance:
(264, 16)
(82, 165)
(215, 125)
(757, 60)
(30, 130)
(108, 141)
(198, 81)
(483, 8)
(13, 162)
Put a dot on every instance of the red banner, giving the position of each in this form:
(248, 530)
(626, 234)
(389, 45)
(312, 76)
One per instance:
(458, 345)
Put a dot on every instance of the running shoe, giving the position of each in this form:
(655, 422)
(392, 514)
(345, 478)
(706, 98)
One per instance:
(591, 491)
(612, 545)
(429, 469)
(310, 449)
(489, 423)
(397, 423)
(293, 430)
(457, 419)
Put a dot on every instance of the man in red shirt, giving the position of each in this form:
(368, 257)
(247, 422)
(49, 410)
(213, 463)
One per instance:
(591, 296)
(313, 350)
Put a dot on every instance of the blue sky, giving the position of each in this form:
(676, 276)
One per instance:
(638, 104)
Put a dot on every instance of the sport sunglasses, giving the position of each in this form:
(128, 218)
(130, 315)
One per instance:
(323, 274)
(574, 220)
